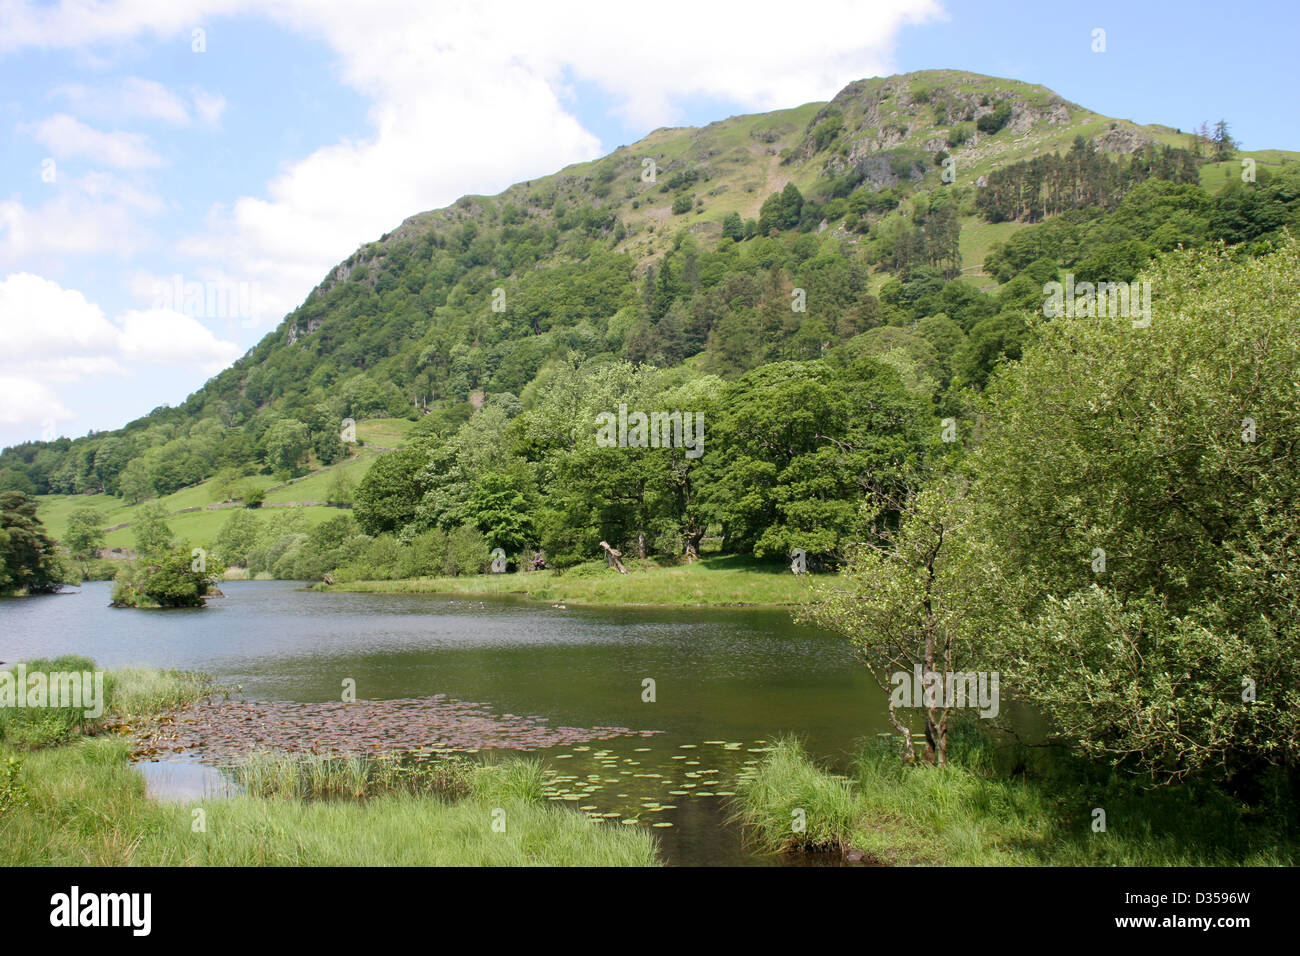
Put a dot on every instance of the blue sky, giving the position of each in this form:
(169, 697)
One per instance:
(138, 154)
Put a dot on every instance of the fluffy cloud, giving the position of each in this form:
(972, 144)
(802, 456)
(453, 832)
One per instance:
(25, 402)
(55, 336)
(136, 98)
(168, 337)
(89, 214)
(65, 136)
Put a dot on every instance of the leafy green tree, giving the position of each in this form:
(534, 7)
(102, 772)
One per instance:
(733, 227)
(467, 551)
(387, 498)
(149, 529)
(135, 483)
(906, 599)
(1139, 491)
(797, 445)
(84, 535)
(227, 484)
(498, 506)
(172, 578)
(287, 443)
(781, 210)
(237, 538)
(342, 489)
(991, 341)
(29, 559)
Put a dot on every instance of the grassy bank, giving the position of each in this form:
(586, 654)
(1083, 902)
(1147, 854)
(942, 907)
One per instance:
(130, 694)
(718, 580)
(84, 805)
(977, 813)
(70, 799)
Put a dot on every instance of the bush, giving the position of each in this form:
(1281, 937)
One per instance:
(174, 579)
(467, 552)
(1164, 596)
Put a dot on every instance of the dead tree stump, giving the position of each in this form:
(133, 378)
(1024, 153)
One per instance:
(613, 554)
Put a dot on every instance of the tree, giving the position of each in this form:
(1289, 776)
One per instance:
(342, 489)
(733, 227)
(29, 559)
(135, 483)
(1224, 144)
(387, 498)
(781, 210)
(467, 552)
(149, 529)
(287, 443)
(795, 446)
(84, 535)
(498, 507)
(1140, 491)
(227, 484)
(172, 578)
(238, 537)
(905, 600)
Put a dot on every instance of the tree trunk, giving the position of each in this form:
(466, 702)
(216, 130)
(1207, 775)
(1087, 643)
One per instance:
(613, 554)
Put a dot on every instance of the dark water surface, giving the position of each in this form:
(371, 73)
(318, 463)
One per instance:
(726, 681)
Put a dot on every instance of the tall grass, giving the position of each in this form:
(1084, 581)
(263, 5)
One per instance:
(792, 804)
(130, 693)
(303, 777)
(86, 807)
(974, 813)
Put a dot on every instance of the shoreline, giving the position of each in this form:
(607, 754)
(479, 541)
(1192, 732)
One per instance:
(681, 586)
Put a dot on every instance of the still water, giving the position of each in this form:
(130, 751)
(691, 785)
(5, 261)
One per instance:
(726, 680)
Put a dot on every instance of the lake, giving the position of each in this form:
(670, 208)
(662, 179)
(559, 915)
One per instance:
(726, 680)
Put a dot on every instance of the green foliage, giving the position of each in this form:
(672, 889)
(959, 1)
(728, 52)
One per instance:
(781, 210)
(150, 530)
(796, 447)
(237, 538)
(29, 560)
(287, 443)
(84, 535)
(990, 123)
(171, 578)
(1167, 480)
(13, 792)
(387, 497)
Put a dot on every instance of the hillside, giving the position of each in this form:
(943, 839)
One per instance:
(830, 232)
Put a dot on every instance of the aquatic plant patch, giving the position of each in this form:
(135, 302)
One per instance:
(234, 728)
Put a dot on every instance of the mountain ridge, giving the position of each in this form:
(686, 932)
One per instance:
(868, 201)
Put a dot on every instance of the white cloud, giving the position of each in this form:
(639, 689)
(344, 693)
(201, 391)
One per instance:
(135, 98)
(98, 213)
(27, 402)
(40, 320)
(209, 107)
(65, 136)
(54, 335)
(168, 337)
